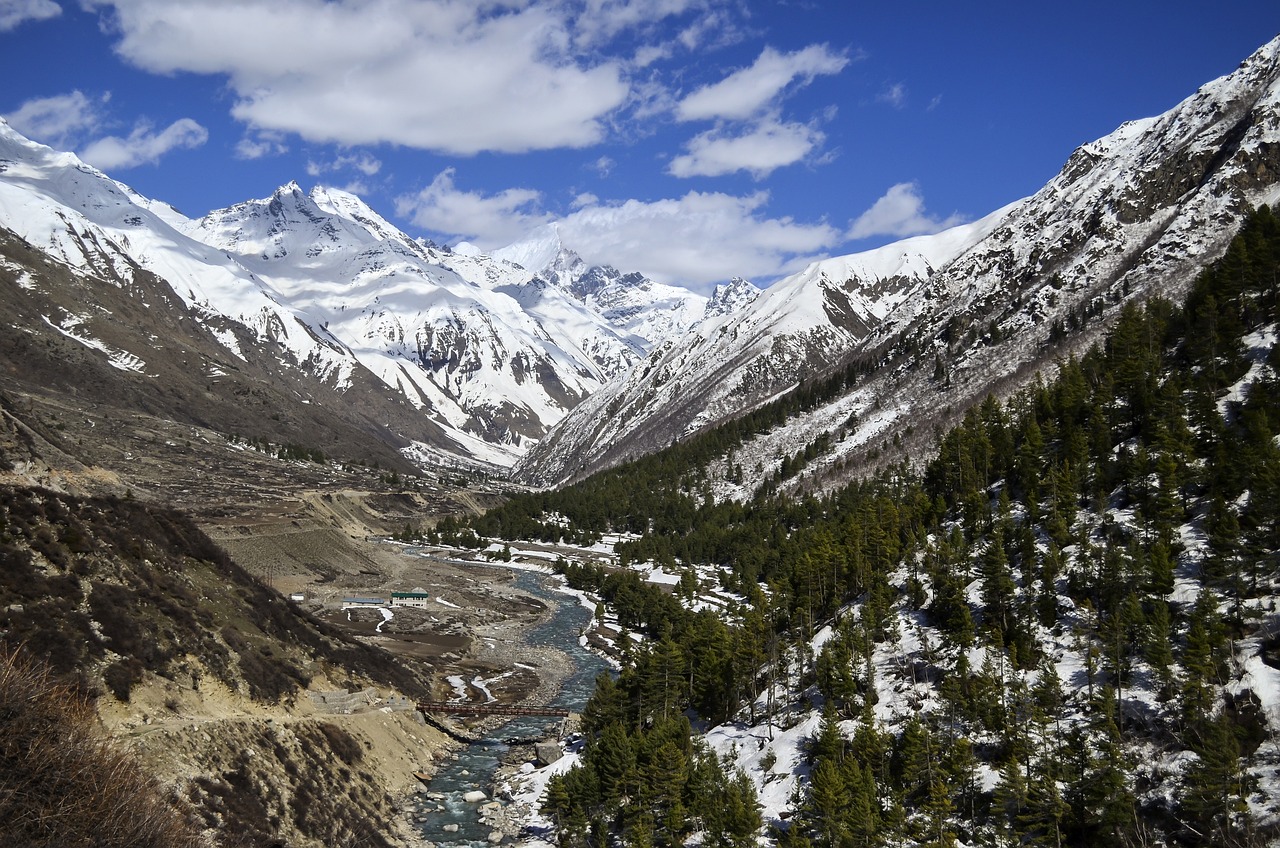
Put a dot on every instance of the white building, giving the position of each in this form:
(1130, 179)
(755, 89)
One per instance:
(410, 599)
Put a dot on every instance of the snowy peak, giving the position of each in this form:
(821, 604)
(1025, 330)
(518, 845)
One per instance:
(536, 252)
(350, 207)
(292, 222)
(730, 297)
(639, 308)
(475, 355)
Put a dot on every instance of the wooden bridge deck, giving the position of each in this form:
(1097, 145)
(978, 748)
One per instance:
(489, 709)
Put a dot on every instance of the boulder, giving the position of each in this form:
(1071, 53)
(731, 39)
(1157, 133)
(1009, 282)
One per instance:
(547, 752)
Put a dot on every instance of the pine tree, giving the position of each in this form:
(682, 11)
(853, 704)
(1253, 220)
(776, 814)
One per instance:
(1215, 784)
(1041, 820)
(862, 814)
(998, 588)
(614, 760)
(666, 775)
(1158, 649)
(606, 706)
(825, 808)
(1009, 803)
(829, 743)
(961, 767)
(938, 810)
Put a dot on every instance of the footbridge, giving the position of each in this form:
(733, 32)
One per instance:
(488, 709)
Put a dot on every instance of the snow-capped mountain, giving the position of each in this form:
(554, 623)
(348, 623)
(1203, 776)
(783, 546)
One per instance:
(730, 297)
(751, 346)
(986, 303)
(644, 310)
(474, 344)
(477, 356)
(488, 354)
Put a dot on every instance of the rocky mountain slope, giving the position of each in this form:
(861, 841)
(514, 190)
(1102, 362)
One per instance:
(953, 316)
(447, 356)
(201, 671)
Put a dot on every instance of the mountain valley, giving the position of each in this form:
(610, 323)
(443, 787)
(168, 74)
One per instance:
(965, 540)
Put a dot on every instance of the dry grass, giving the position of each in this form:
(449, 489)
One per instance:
(62, 783)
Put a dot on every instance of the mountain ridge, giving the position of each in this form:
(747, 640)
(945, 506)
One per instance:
(317, 284)
(1128, 215)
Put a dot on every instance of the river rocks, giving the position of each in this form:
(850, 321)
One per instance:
(504, 822)
(475, 796)
(450, 828)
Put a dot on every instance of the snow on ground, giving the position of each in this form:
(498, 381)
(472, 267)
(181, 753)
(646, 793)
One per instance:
(386, 616)
(661, 577)
(118, 359)
(748, 746)
(1257, 346)
(483, 685)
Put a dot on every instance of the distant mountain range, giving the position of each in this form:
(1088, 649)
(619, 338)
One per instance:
(941, 320)
(308, 314)
(488, 353)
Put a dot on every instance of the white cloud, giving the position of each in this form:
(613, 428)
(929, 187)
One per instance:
(362, 162)
(16, 12)
(895, 95)
(759, 151)
(700, 238)
(491, 221)
(750, 91)
(715, 28)
(695, 240)
(602, 20)
(357, 187)
(650, 98)
(57, 121)
(647, 54)
(259, 144)
(900, 212)
(443, 75)
(143, 145)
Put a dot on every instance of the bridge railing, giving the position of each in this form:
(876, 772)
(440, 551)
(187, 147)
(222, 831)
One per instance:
(489, 709)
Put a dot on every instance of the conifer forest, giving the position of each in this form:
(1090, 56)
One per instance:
(1064, 598)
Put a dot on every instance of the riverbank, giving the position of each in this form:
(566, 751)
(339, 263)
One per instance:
(500, 632)
(566, 673)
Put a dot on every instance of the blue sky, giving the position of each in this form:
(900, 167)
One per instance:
(693, 140)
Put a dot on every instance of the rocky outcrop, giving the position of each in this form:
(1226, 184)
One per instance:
(304, 780)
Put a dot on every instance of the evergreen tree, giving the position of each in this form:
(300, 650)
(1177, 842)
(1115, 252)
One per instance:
(1215, 784)
(825, 808)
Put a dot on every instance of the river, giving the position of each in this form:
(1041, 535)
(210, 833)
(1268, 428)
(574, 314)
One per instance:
(474, 766)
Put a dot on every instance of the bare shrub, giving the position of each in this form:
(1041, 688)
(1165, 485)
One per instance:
(62, 783)
(342, 743)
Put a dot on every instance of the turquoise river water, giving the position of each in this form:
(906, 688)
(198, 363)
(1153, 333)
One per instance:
(474, 766)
